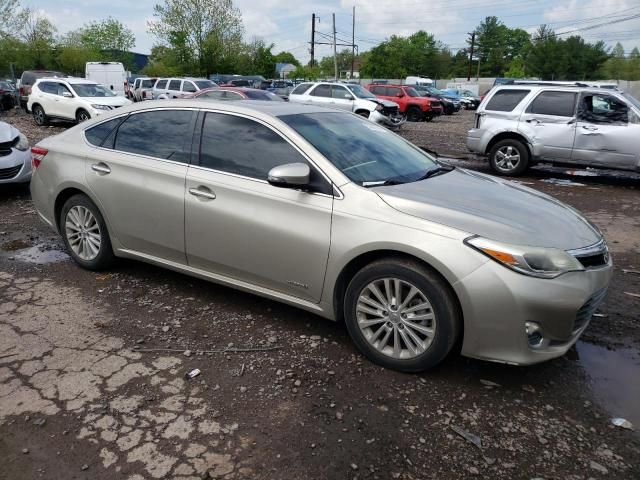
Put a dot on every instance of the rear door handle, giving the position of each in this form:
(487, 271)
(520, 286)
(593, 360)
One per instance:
(100, 168)
(535, 121)
(196, 192)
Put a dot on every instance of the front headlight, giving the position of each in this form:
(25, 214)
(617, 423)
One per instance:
(533, 261)
(100, 107)
(23, 143)
(379, 107)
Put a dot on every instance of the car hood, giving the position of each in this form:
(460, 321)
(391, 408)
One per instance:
(496, 209)
(116, 101)
(7, 132)
(383, 102)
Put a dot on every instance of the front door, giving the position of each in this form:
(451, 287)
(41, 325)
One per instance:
(607, 133)
(138, 178)
(549, 121)
(240, 226)
(341, 98)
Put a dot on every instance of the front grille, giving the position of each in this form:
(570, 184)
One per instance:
(9, 173)
(593, 261)
(588, 309)
(5, 147)
(387, 111)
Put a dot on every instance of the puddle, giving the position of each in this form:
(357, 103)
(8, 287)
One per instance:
(14, 245)
(614, 379)
(39, 256)
(562, 182)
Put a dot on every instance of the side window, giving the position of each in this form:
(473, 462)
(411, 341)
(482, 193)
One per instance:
(98, 134)
(241, 146)
(378, 90)
(216, 94)
(322, 91)
(174, 85)
(47, 87)
(233, 96)
(61, 89)
(161, 84)
(392, 92)
(340, 93)
(603, 109)
(188, 87)
(302, 88)
(559, 104)
(162, 134)
(506, 100)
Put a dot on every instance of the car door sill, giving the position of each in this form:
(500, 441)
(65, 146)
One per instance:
(227, 281)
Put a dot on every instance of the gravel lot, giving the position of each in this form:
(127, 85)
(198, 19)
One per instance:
(83, 394)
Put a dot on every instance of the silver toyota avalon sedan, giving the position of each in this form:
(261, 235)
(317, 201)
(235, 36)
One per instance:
(326, 211)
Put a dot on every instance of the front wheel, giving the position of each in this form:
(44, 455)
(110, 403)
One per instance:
(509, 157)
(85, 233)
(401, 315)
(414, 114)
(82, 116)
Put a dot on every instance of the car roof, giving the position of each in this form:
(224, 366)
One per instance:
(70, 80)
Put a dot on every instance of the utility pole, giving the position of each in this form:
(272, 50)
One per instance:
(313, 36)
(473, 44)
(353, 41)
(335, 54)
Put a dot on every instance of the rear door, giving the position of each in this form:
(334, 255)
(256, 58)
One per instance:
(607, 132)
(240, 226)
(138, 174)
(173, 88)
(550, 121)
(321, 95)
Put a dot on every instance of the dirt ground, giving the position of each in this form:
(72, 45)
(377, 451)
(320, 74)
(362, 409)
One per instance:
(83, 394)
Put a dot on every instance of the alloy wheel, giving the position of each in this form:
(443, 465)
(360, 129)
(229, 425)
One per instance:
(83, 116)
(83, 232)
(507, 158)
(396, 318)
(39, 115)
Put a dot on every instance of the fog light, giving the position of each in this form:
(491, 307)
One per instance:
(534, 334)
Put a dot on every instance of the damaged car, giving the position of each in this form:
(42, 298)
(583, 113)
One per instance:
(350, 97)
(15, 158)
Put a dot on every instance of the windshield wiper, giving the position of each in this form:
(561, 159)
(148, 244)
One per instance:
(439, 170)
(380, 183)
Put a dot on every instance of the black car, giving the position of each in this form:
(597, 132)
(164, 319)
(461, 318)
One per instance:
(7, 96)
(449, 105)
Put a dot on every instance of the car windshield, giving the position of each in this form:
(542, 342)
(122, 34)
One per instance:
(261, 95)
(91, 90)
(202, 84)
(360, 92)
(633, 100)
(412, 92)
(366, 153)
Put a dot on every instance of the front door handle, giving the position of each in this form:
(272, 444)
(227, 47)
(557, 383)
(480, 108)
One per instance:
(534, 121)
(100, 168)
(589, 128)
(196, 192)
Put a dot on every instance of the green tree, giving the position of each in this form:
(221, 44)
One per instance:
(108, 34)
(497, 46)
(343, 58)
(12, 18)
(286, 57)
(39, 36)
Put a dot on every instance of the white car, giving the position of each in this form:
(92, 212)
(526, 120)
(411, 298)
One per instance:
(349, 97)
(75, 99)
(15, 158)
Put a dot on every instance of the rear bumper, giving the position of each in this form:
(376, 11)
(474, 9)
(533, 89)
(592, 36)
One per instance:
(497, 303)
(474, 141)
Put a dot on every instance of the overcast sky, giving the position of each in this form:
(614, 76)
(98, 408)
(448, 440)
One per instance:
(287, 23)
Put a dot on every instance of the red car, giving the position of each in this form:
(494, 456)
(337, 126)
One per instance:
(236, 93)
(414, 106)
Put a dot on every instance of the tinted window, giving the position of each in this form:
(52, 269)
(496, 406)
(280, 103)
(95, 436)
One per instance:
(340, 93)
(216, 94)
(174, 85)
(48, 87)
(300, 89)
(244, 147)
(98, 134)
(188, 87)
(60, 89)
(378, 90)
(596, 108)
(322, 91)
(202, 84)
(162, 134)
(392, 92)
(506, 100)
(559, 104)
(161, 84)
(147, 83)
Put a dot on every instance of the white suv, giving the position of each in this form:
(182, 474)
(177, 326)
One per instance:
(71, 99)
(165, 88)
(349, 97)
(520, 124)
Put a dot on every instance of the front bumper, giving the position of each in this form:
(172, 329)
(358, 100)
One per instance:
(393, 121)
(15, 167)
(497, 303)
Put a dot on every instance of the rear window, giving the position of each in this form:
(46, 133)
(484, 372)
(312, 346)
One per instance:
(202, 84)
(559, 104)
(506, 100)
(300, 89)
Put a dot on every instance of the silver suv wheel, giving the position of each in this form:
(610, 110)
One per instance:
(507, 158)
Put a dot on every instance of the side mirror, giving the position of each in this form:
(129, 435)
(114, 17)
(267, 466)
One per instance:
(399, 94)
(348, 96)
(67, 94)
(291, 175)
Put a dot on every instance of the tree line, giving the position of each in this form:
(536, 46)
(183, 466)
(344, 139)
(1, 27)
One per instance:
(201, 37)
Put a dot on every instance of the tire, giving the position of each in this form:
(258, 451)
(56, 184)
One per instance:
(82, 116)
(428, 119)
(39, 116)
(70, 228)
(414, 114)
(445, 324)
(509, 157)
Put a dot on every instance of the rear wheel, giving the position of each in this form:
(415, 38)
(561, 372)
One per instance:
(414, 114)
(39, 116)
(401, 315)
(85, 233)
(509, 157)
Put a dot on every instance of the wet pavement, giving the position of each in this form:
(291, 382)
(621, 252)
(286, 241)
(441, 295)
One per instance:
(93, 364)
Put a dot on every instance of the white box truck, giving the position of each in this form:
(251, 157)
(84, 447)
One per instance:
(110, 74)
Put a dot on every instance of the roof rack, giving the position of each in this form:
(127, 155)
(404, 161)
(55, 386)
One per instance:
(547, 83)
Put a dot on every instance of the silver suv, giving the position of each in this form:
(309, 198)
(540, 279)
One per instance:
(518, 125)
(165, 88)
